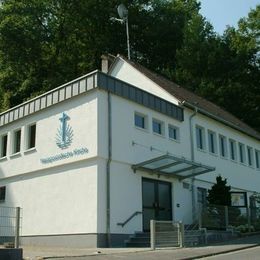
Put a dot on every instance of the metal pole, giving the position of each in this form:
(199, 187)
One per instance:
(181, 230)
(108, 170)
(152, 234)
(248, 219)
(226, 217)
(17, 227)
(127, 37)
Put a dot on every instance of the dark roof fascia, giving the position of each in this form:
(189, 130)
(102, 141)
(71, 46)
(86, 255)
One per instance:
(93, 80)
(206, 113)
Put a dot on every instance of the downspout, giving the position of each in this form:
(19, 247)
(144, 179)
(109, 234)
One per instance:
(193, 202)
(108, 167)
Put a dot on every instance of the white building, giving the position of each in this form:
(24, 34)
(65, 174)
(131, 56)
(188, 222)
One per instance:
(92, 153)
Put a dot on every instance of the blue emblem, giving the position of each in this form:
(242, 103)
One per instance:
(65, 133)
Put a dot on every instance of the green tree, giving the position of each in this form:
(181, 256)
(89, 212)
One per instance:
(44, 43)
(219, 194)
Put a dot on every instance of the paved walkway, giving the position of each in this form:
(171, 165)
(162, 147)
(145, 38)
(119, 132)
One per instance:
(140, 253)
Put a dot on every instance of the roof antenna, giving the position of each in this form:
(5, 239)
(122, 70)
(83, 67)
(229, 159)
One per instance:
(123, 14)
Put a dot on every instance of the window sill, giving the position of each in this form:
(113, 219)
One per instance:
(234, 161)
(142, 129)
(3, 158)
(31, 150)
(201, 150)
(160, 135)
(223, 157)
(175, 140)
(213, 154)
(15, 155)
(241, 163)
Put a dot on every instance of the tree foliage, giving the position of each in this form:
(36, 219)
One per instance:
(219, 194)
(44, 43)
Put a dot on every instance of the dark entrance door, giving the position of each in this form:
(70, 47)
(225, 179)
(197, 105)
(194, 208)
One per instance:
(156, 201)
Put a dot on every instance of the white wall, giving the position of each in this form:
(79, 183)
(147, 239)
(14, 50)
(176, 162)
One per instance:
(124, 71)
(83, 120)
(126, 185)
(58, 197)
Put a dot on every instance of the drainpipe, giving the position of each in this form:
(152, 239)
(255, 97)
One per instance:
(192, 158)
(108, 168)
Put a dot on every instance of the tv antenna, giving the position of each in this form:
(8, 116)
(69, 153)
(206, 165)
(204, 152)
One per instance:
(123, 14)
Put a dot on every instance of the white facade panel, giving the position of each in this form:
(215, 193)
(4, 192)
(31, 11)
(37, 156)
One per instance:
(122, 70)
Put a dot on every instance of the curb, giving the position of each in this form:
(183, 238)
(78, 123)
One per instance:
(220, 253)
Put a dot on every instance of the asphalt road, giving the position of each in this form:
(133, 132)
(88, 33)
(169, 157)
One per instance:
(246, 254)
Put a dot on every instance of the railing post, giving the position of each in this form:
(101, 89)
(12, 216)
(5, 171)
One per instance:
(226, 217)
(181, 233)
(17, 227)
(152, 234)
(200, 216)
(248, 219)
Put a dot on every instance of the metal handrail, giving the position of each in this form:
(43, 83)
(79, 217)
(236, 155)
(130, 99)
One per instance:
(127, 220)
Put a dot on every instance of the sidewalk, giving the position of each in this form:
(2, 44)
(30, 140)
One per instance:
(141, 253)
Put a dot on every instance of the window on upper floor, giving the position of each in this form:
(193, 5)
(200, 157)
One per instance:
(31, 136)
(158, 127)
(233, 149)
(140, 121)
(212, 140)
(257, 159)
(223, 146)
(174, 132)
(3, 146)
(250, 156)
(2, 193)
(17, 141)
(242, 153)
(200, 138)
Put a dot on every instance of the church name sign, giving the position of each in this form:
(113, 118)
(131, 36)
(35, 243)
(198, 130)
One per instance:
(66, 155)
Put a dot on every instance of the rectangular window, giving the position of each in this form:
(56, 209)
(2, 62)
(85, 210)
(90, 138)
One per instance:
(17, 141)
(140, 121)
(2, 193)
(174, 132)
(257, 159)
(212, 142)
(200, 137)
(250, 156)
(242, 153)
(158, 127)
(223, 145)
(31, 136)
(3, 146)
(233, 150)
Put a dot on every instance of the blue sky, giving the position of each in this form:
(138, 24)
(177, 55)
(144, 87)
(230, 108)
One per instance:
(226, 12)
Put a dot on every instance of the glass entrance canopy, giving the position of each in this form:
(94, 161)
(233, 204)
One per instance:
(170, 165)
